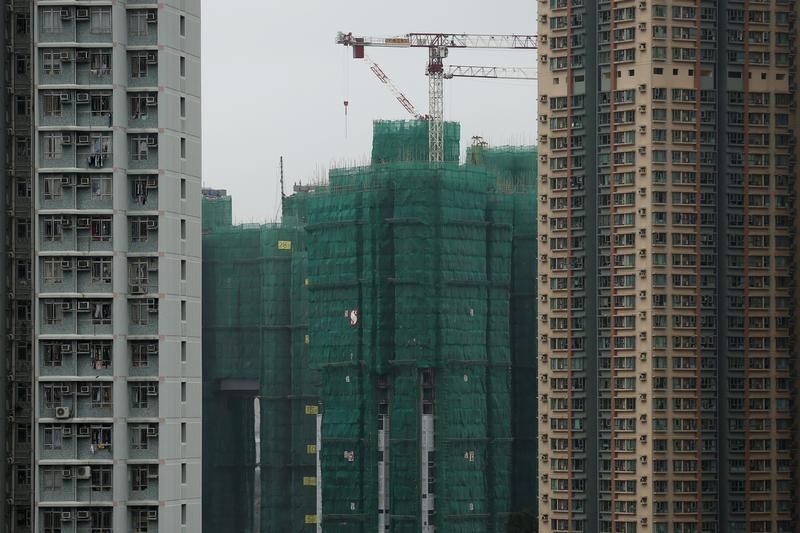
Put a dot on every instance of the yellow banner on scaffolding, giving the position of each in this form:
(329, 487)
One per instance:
(284, 245)
(311, 519)
(312, 409)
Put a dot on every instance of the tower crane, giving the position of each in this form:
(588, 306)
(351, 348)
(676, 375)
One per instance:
(438, 45)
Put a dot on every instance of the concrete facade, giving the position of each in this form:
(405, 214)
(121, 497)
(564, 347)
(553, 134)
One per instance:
(114, 267)
(666, 349)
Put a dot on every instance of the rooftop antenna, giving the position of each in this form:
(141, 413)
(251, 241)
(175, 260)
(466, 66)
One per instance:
(283, 194)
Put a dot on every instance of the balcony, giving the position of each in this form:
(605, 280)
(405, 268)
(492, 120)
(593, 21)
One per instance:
(142, 27)
(143, 399)
(144, 193)
(143, 69)
(143, 357)
(143, 314)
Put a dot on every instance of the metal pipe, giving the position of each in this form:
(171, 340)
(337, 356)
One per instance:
(4, 344)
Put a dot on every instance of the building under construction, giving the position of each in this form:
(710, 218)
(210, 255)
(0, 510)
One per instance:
(386, 329)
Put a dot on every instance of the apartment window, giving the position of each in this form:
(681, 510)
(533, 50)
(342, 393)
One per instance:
(140, 312)
(138, 275)
(141, 226)
(101, 312)
(52, 437)
(101, 229)
(22, 151)
(183, 310)
(53, 187)
(101, 355)
(183, 432)
(101, 187)
(140, 147)
(183, 147)
(101, 478)
(100, 20)
(53, 312)
(183, 26)
(183, 351)
(51, 61)
(101, 270)
(183, 67)
(100, 436)
(183, 391)
(53, 229)
(101, 104)
(183, 228)
(52, 520)
(140, 520)
(52, 395)
(51, 355)
(53, 147)
(140, 104)
(23, 105)
(100, 393)
(100, 63)
(183, 514)
(51, 20)
(137, 23)
(139, 65)
(141, 474)
(183, 269)
(22, 23)
(23, 272)
(53, 270)
(140, 355)
(23, 226)
(183, 107)
(23, 64)
(101, 521)
(51, 103)
(183, 473)
(140, 435)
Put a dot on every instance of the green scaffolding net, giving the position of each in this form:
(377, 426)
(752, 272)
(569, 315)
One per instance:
(396, 141)
(416, 313)
(217, 213)
(257, 380)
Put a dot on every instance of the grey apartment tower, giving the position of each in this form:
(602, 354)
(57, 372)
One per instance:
(101, 387)
(667, 268)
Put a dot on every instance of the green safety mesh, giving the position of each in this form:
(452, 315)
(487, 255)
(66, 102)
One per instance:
(216, 213)
(255, 312)
(438, 261)
(396, 141)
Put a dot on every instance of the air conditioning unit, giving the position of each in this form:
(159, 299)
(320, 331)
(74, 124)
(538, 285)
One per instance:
(643, 459)
(152, 515)
(84, 264)
(543, 298)
(66, 430)
(82, 55)
(65, 57)
(545, 477)
(152, 431)
(543, 218)
(643, 397)
(66, 348)
(82, 139)
(643, 419)
(642, 211)
(642, 47)
(643, 377)
(84, 181)
(542, 98)
(642, 314)
(83, 347)
(63, 411)
(543, 258)
(152, 348)
(83, 472)
(83, 390)
(543, 378)
(83, 515)
(83, 305)
(544, 398)
(643, 501)
(83, 431)
(543, 198)
(643, 294)
(642, 191)
(66, 306)
(543, 119)
(66, 265)
(150, 101)
(543, 238)
(66, 515)
(642, 4)
(643, 356)
(643, 480)
(152, 390)
(643, 26)
(543, 59)
(82, 13)
(151, 16)
(642, 171)
(543, 418)
(152, 57)
(66, 13)
(642, 335)
(152, 223)
(643, 109)
(543, 318)
(152, 182)
(82, 98)
(545, 458)
(642, 129)
(642, 253)
(66, 139)
(545, 498)
(642, 87)
(642, 150)
(152, 141)
(83, 222)
(642, 232)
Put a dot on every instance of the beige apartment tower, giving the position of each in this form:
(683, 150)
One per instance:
(667, 357)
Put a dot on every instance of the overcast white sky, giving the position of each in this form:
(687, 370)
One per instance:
(274, 82)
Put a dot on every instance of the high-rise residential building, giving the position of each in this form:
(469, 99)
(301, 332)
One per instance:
(103, 270)
(666, 351)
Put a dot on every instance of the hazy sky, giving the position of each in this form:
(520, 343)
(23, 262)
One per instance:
(274, 82)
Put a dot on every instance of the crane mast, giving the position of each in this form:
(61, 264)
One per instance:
(438, 45)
